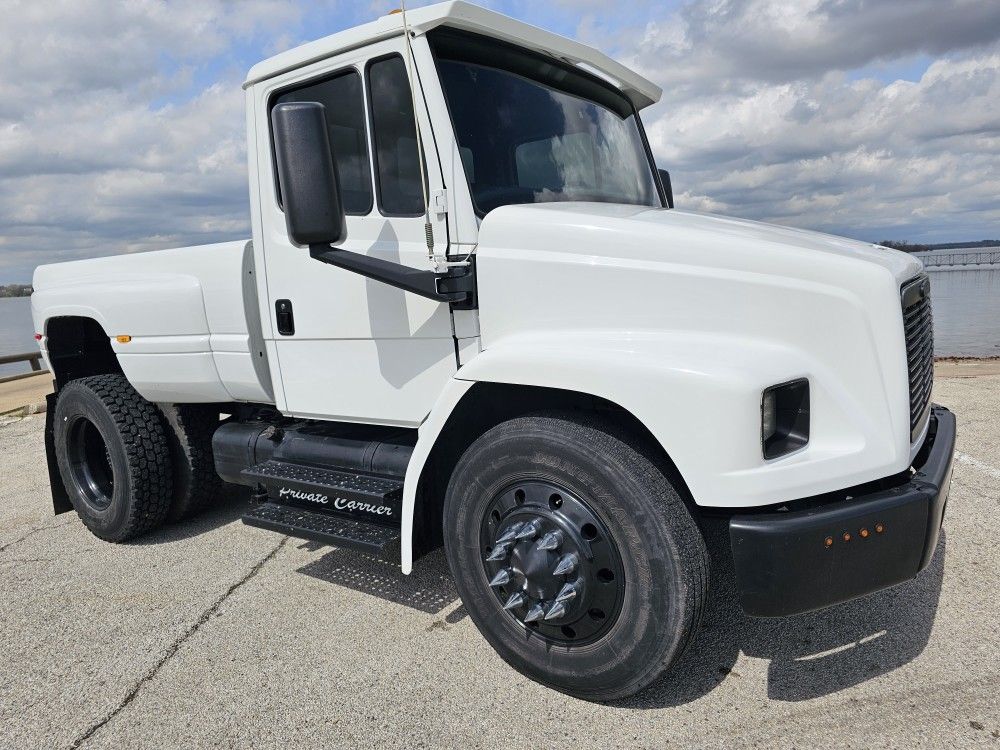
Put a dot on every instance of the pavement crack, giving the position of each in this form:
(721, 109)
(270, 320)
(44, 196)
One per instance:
(30, 532)
(176, 646)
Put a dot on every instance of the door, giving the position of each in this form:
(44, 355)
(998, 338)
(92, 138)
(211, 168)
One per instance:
(361, 350)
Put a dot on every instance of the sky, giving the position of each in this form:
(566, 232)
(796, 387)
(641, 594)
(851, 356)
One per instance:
(122, 125)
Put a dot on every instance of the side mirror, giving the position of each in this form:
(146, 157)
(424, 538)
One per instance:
(665, 181)
(307, 174)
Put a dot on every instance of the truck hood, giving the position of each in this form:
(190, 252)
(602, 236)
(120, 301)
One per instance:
(714, 311)
(675, 235)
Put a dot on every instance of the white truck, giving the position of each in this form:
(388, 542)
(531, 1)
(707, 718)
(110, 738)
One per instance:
(469, 315)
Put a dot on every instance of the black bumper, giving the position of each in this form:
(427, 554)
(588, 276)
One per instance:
(800, 560)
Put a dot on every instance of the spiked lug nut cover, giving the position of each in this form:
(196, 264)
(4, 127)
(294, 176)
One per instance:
(552, 540)
(499, 553)
(509, 535)
(535, 613)
(552, 566)
(566, 593)
(558, 609)
(566, 565)
(529, 530)
(515, 600)
(502, 578)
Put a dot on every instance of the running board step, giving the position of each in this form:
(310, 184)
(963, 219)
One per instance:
(324, 528)
(362, 497)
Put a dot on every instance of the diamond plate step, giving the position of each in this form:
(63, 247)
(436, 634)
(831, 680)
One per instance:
(363, 497)
(324, 528)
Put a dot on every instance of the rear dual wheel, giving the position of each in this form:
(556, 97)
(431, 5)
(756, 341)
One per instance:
(113, 456)
(128, 464)
(574, 555)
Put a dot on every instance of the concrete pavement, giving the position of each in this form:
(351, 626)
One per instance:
(27, 393)
(213, 634)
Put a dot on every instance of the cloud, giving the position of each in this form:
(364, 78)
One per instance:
(121, 123)
(770, 111)
(106, 142)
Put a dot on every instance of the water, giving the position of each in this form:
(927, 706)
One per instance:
(16, 333)
(966, 308)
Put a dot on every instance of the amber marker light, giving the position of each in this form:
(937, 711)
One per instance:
(864, 533)
(123, 339)
(847, 537)
(879, 528)
(828, 542)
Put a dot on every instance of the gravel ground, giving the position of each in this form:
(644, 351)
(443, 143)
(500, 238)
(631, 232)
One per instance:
(213, 634)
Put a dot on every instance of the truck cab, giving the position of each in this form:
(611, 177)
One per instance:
(469, 315)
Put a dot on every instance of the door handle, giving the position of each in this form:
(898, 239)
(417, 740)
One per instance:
(285, 317)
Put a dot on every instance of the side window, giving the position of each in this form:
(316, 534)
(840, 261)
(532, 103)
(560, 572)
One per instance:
(345, 117)
(397, 170)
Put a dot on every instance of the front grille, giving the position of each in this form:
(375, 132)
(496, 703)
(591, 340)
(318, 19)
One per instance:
(918, 325)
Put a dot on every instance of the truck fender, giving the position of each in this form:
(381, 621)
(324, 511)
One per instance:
(697, 393)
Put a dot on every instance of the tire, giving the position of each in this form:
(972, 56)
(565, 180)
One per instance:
(648, 566)
(113, 457)
(189, 430)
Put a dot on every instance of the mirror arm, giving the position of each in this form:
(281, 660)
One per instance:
(457, 285)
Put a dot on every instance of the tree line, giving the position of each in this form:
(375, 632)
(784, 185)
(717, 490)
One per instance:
(913, 247)
(15, 290)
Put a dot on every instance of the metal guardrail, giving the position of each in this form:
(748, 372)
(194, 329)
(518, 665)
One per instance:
(989, 256)
(35, 358)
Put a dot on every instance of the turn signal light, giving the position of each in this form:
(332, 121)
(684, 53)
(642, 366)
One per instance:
(123, 339)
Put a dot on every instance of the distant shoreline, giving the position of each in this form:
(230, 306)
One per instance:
(11, 291)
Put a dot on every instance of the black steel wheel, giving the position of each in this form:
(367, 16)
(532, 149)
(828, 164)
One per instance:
(90, 462)
(113, 456)
(552, 562)
(574, 554)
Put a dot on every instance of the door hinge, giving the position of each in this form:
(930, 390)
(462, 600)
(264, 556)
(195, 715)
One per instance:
(439, 202)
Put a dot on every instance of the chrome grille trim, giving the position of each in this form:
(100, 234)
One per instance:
(918, 329)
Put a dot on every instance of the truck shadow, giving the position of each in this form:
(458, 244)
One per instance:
(811, 655)
(225, 508)
(429, 588)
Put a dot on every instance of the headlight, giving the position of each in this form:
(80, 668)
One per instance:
(784, 418)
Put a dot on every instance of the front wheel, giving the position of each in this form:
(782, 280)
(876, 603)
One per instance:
(574, 555)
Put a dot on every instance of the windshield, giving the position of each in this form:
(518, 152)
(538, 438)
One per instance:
(532, 131)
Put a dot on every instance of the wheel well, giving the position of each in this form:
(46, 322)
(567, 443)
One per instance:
(79, 347)
(486, 405)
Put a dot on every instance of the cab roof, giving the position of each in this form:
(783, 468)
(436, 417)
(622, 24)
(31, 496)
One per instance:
(462, 15)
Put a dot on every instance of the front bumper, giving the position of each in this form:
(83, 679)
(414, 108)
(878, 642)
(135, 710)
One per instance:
(799, 560)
